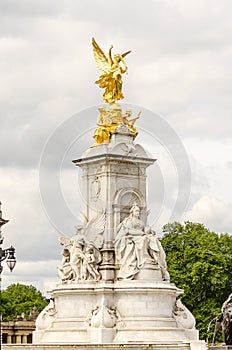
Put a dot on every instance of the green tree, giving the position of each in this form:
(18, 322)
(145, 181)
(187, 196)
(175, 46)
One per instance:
(199, 262)
(18, 299)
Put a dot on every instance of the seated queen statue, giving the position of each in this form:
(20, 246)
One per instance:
(137, 245)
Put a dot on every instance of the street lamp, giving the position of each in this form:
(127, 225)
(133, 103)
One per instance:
(8, 255)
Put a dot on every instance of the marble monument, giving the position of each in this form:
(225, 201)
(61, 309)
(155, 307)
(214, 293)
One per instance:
(114, 286)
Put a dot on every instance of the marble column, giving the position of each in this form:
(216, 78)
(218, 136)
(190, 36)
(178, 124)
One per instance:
(18, 338)
(24, 339)
(9, 339)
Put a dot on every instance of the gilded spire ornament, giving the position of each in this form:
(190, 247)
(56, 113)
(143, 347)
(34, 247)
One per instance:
(112, 69)
(110, 79)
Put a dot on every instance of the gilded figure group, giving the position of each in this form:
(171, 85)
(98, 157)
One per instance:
(109, 120)
(112, 68)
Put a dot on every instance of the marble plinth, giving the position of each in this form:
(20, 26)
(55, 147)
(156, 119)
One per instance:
(123, 312)
(115, 291)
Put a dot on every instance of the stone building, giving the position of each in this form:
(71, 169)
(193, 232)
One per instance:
(19, 331)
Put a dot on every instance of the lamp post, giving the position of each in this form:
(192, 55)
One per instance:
(8, 255)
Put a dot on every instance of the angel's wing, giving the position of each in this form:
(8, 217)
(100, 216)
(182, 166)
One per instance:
(95, 229)
(84, 219)
(64, 241)
(97, 223)
(98, 241)
(101, 60)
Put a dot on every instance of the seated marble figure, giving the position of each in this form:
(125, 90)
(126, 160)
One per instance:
(137, 245)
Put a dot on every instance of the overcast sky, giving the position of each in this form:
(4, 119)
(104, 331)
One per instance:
(179, 76)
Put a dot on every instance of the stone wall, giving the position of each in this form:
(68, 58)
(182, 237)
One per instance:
(17, 331)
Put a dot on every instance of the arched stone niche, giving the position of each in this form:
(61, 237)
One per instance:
(125, 198)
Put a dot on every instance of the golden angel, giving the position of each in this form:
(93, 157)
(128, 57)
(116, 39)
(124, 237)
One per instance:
(112, 69)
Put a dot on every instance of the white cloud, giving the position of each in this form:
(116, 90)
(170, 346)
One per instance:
(28, 230)
(41, 274)
(212, 212)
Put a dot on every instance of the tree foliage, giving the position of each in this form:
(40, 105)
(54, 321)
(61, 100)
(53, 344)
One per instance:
(18, 299)
(199, 262)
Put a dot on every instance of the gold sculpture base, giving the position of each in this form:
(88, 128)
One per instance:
(109, 120)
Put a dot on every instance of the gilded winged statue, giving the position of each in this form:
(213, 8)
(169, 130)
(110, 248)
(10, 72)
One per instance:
(112, 69)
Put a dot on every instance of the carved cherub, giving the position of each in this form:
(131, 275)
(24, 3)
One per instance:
(70, 268)
(90, 264)
(65, 270)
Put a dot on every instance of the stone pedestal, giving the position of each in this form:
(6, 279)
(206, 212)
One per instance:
(122, 312)
(122, 301)
(114, 178)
